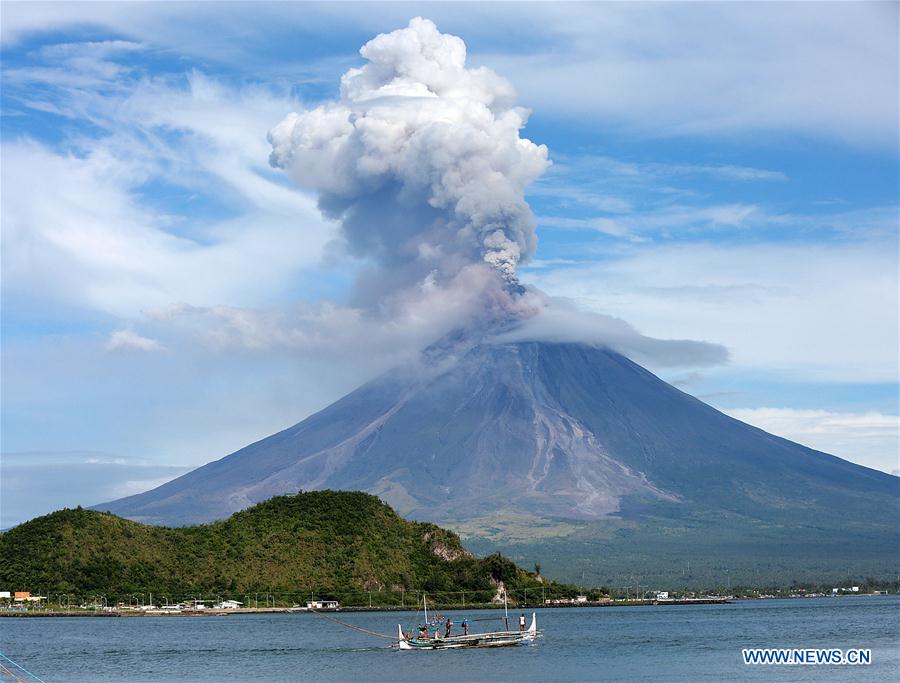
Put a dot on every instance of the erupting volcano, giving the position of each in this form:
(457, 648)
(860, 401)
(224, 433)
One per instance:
(554, 445)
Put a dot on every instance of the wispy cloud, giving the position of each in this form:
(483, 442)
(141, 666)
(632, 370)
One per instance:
(128, 339)
(869, 438)
(100, 241)
(642, 200)
(670, 219)
(824, 311)
(731, 70)
(646, 171)
(37, 482)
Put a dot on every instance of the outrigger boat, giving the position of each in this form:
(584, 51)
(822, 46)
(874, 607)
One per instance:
(430, 637)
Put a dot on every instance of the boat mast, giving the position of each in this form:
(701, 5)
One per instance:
(505, 609)
(425, 603)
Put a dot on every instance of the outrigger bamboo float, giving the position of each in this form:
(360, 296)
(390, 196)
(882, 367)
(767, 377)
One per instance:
(429, 636)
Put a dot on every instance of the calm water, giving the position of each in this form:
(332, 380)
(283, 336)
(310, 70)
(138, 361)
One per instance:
(701, 643)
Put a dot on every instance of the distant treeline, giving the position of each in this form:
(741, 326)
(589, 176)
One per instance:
(322, 543)
(262, 599)
(866, 586)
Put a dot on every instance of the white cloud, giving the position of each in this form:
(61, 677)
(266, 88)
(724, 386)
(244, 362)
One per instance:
(560, 321)
(611, 167)
(640, 201)
(668, 220)
(816, 311)
(128, 339)
(92, 243)
(718, 69)
(38, 482)
(98, 241)
(871, 438)
(696, 69)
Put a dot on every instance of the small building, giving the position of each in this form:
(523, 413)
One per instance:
(662, 595)
(566, 601)
(854, 589)
(228, 604)
(22, 596)
(5, 595)
(322, 604)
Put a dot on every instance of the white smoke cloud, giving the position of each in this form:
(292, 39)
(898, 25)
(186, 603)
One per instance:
(421, 160)
(423, 164)
(394, 333)
(560, 320)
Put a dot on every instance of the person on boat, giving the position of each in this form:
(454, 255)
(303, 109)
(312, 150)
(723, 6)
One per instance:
(449, 626)
(423, 632)
(522, 622)
(465, 625)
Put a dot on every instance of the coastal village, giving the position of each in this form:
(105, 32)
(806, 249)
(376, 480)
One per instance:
(24, 603)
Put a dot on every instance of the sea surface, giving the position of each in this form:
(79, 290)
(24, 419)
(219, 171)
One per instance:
(672, 643)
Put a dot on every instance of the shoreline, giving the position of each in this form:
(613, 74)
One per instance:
(129, 614)
(137, 613)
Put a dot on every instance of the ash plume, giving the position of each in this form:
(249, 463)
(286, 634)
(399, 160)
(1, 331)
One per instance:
(423, 164)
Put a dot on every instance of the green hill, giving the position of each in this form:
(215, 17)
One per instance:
(326, 541)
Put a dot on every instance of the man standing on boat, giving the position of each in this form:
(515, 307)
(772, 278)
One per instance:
(522, 622)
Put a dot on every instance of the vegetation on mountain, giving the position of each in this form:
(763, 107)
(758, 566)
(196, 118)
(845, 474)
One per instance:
(322, 541)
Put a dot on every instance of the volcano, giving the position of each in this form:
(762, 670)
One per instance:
(563, 452)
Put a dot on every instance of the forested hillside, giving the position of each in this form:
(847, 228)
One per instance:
(323, 540)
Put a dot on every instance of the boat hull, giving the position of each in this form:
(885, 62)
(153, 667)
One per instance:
(495, 639)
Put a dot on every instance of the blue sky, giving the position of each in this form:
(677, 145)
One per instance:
(721, 172)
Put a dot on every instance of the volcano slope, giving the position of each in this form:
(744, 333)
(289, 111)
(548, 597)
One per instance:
(572, 456)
